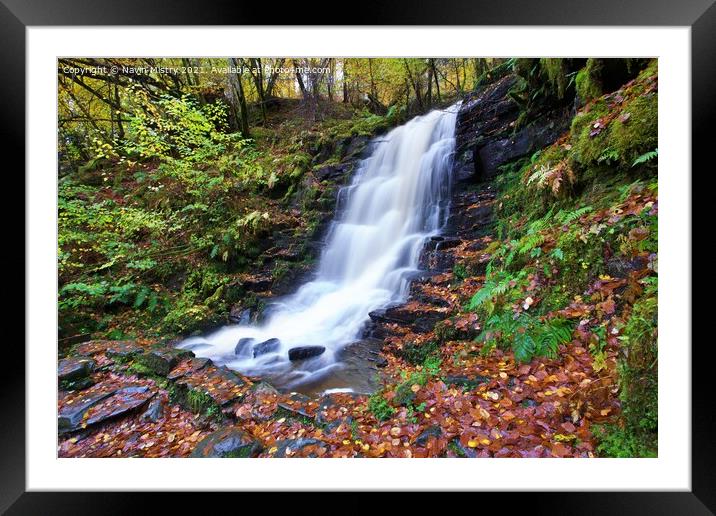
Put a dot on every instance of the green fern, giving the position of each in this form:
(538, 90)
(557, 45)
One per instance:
(526, 335)
(647, 156)
(567, 217)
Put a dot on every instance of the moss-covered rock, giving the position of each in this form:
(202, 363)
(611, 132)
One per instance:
(636, 435)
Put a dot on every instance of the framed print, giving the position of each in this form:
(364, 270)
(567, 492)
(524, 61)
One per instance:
(266, 257)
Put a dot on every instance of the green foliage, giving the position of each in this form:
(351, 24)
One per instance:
(379, 407)
(417, 353)
(198, 401)
(497, 289)
(647, 156)
(460, 272)
(527, 336)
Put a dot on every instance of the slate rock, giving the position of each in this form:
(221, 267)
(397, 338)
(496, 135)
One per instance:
(295, 406)
(162, 361)
(191, 366)
(304, 352)
(70, 416)
(122, 402)
(227, 443)
(71, 369)
(124, 350)
(155, 411)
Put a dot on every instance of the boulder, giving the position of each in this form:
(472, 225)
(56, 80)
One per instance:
(304, 352)
(243, 344)
(267, 346)
(225, 443)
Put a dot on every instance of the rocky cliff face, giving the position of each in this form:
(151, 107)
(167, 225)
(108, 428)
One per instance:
(487, 136)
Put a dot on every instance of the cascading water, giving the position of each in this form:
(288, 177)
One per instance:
(397, 200)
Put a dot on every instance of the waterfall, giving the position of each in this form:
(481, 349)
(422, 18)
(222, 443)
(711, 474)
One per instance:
(398, 198)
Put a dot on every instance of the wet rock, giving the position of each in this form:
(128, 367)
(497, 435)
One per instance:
(263, 388)
(258, 283)
(335, 425)
(220, 384)
(227, 442)
(74, 373)
(243, 344)
(237, 315)
(267, 346)
(295, 407)
(304, 352)
(120, 350)
(419, 320)
(70, 416)
(447, 243)
(432, 300)
(70, 369)
(155, 411)
(163, 360)
(332, 172)
(291, 447)
(356, 145)
(187, 367)
(124, 350)
(431, 431)
(537, 135)
(122, 402)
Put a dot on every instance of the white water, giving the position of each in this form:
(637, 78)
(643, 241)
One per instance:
(398, 198)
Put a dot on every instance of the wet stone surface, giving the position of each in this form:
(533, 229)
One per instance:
(227, 443)
(219, 383)
(72, 369)
(163, 360)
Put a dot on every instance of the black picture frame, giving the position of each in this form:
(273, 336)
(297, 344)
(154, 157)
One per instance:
(700, 15)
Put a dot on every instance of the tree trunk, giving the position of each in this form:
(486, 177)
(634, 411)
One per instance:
(238, 94)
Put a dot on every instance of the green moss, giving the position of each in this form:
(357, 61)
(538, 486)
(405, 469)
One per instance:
(556, 72)
(417, 353)
(140, 369)
(589, 142)
(633, 136)
(587, 81)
